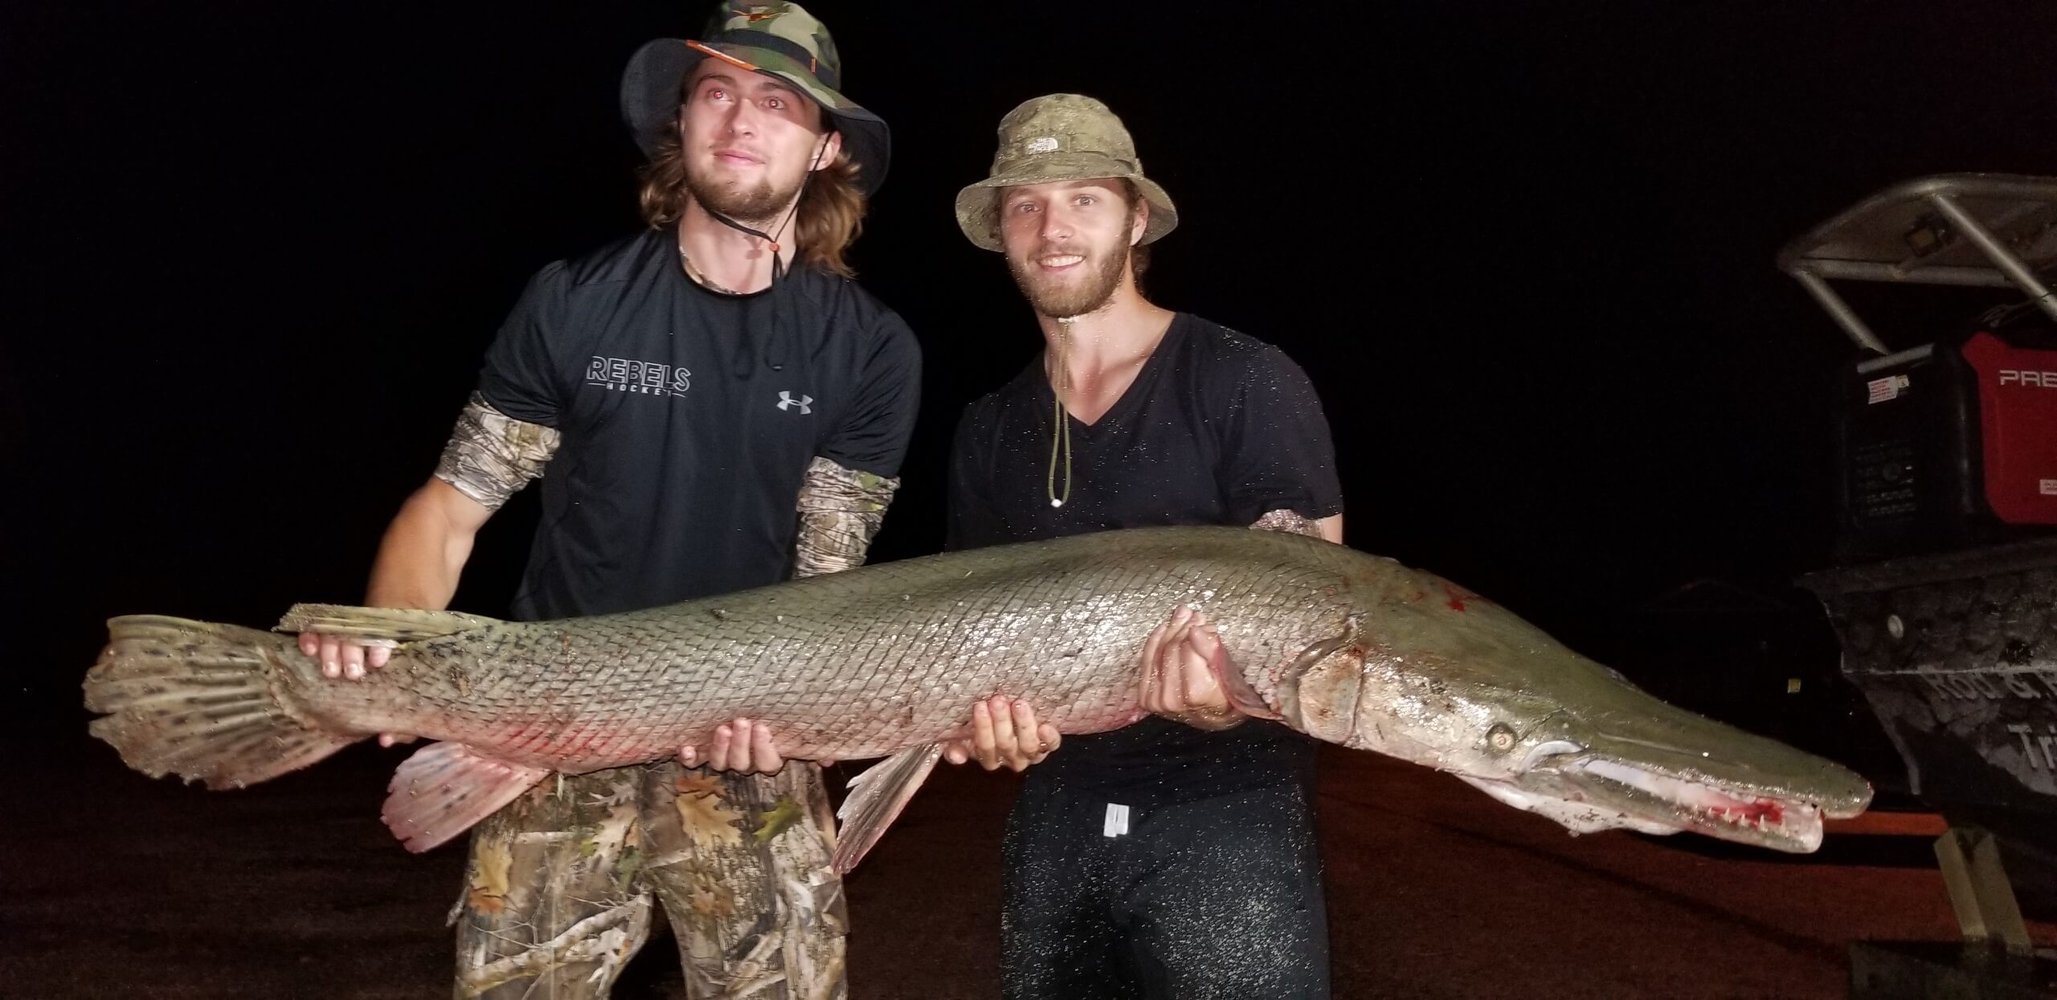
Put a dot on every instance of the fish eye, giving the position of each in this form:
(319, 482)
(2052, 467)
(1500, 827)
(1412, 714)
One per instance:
(1500, 737)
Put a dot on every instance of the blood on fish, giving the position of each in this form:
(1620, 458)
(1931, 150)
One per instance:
(1457, 597)
(1741, 812)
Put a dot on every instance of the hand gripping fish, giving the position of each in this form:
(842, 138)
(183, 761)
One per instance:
(880, 662)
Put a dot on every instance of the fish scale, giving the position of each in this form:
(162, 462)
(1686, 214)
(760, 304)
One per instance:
(800, 658)
(886, 660)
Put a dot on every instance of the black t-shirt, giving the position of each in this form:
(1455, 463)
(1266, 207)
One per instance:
(688, 419)
(1218, 428)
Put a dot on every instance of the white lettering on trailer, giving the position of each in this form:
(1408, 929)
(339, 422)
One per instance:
(2022, 376)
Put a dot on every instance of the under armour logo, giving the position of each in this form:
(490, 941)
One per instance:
(787, 401)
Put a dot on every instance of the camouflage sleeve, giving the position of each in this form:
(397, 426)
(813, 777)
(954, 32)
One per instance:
(840, 511)
(1289, 521)
(491, 455)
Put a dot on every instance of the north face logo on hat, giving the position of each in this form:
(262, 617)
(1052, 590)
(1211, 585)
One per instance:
(1043, 144)
(757, 12)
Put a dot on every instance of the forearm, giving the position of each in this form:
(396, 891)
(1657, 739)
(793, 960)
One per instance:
(840, 512)
(488, 458)
(424, 551)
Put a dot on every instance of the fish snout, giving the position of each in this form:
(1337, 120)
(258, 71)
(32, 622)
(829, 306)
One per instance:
(1843, 793)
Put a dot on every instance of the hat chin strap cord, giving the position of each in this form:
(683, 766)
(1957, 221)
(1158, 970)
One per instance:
(1060, 427)
(780, 320)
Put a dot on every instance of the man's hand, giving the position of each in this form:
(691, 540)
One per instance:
(1003, 731)
(342, 656)
(741, 745)
(1177, 680)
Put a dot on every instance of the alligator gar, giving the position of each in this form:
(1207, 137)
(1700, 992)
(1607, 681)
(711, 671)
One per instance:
(883, 661)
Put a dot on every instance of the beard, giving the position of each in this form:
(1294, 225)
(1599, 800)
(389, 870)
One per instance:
(1059, 302)
(756, 206)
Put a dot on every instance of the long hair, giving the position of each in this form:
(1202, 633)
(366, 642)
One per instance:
(830, 216)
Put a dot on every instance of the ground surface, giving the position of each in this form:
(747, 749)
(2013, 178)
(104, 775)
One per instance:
(116, 885)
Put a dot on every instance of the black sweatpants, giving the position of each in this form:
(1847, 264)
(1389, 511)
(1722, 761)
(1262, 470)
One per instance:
(1219, 898)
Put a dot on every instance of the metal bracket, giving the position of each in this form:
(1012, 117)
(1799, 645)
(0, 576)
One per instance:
(1967, 230)
(1979, 891)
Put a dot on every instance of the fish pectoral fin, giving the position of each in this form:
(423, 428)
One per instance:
(1235, 687)
(1240, 694)
(386, 624)
(443, 789)
(875, 800)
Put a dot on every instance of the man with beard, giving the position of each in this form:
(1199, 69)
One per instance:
(710, 404)
(1174, 857)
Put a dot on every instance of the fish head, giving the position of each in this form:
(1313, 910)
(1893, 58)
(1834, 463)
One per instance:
(1467, 687)
(1626, 759)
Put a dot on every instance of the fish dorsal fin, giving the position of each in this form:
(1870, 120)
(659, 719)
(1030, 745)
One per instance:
(875, 800)
(379, 624)
(443, 789)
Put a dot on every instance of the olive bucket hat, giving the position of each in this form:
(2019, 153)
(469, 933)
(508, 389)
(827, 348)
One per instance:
(1059, 137)
(778, 39)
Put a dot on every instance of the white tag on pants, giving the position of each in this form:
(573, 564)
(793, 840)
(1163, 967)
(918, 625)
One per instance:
(1117, 820)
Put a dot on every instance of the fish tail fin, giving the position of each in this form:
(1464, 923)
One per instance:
(197, 699)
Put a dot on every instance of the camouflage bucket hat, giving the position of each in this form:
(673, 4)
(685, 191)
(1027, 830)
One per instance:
(1059, 137)
(778, 39)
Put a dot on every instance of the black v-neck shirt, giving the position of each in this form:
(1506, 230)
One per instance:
(1217, 428)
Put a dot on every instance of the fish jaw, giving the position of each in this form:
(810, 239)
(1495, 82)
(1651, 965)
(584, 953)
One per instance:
(1586, 792)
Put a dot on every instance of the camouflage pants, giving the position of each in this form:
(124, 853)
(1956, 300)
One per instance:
(560, 885)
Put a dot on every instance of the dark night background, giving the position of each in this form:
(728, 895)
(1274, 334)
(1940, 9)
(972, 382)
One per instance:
(1524, 249)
